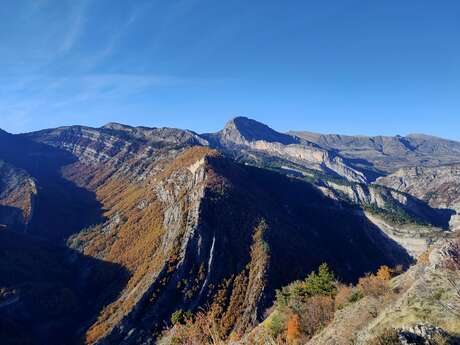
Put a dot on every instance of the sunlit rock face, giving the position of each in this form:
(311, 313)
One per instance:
(144, 221)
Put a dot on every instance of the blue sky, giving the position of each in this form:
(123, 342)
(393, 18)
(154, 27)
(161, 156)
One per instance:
(337, 66)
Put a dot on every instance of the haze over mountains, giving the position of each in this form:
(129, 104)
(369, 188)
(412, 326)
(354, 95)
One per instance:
(106, 232)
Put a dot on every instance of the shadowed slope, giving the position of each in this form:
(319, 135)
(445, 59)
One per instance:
(50, 294)
(256, 231)
(61, 208)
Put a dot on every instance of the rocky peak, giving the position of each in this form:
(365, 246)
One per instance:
(190, 226)
(243, 136)
(117, 126)
(242, 129)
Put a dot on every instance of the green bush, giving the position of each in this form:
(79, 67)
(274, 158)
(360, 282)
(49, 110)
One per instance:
(356, 296)
(180, 317)
(277, 325)
(322, 283)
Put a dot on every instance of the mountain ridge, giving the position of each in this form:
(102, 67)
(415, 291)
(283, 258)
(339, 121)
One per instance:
(386, 154)
(216, 219)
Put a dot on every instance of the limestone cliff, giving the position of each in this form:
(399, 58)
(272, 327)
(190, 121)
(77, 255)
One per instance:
(17, 197)
(439, 186)
(243, 134)
(185, 221)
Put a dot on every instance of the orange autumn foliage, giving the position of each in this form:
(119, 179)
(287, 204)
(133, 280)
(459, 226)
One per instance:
(135, 239)
(384, 273)
(343, 296)
(293, 329)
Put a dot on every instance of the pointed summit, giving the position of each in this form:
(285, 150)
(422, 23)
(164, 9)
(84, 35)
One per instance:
(117, 126)
(242, 129)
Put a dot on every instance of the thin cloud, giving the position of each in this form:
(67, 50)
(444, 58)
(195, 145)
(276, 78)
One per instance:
(76, 26)
(113, 41)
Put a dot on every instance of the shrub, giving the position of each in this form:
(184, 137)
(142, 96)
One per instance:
(322, 283)
(305, 307)
(291, 294)
(424, 258)
(384, 273)
(387, 337)
(343, 296)
(293, 329)
(371, 285)
(296, 294)
(202, 330)
(356, 296)
(316, 314)
(277, 325)
(181, 317)
(439, 339)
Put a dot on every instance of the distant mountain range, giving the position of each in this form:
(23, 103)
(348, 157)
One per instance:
(387, 154)
(106, 232)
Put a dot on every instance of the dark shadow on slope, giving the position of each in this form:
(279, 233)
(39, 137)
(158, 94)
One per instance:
(366, 167)
(50, 294)
(62, 208)
(305, 229)
(413, 210)
(11, 217)
(444, 216)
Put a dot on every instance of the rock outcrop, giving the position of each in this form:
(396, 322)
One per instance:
(219, 239)
(245, 136)
(184, 221)
(387, 154)
(439, 186)
(422, 307)
(17, 197)
(192, 228)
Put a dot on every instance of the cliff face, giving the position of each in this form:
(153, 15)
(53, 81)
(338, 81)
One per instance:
(192, 228)
(230, 248)
(389, 199)
(181, 221)
(387, 154)
(60, 207)
(243, 136)
(439, 186)
(17, 197)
